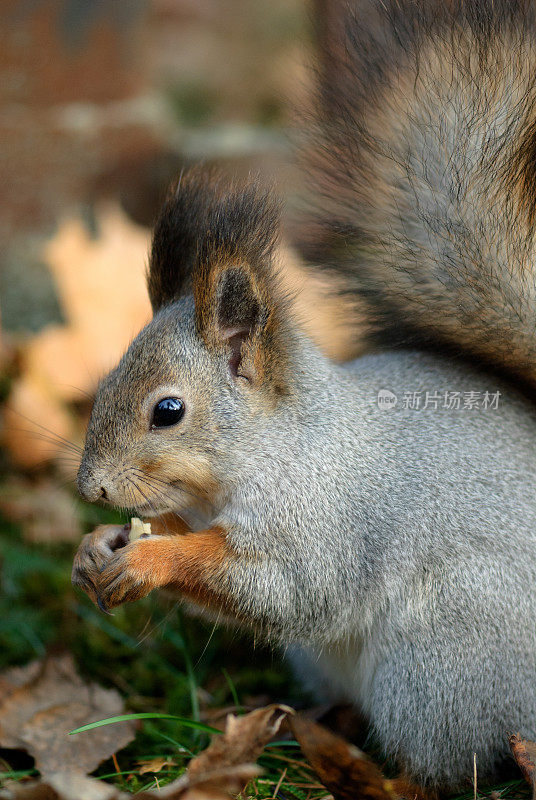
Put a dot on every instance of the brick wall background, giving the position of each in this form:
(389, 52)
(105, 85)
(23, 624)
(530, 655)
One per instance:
(104, 99)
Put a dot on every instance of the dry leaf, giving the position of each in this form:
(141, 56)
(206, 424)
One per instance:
(63, 786)
(155, 765)
(524, 752)
(46, 511)
(31, 790)
(344, 769)
(72, 786)
(38, 714)
(343, 719)
(243, 741)
(218, 773)
(16, 677)
(78, 787)
(225, 767)
(101, 285)
(217, 784)
(102, 290)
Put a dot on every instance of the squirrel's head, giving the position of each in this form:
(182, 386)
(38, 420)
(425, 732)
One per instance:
(214, 359)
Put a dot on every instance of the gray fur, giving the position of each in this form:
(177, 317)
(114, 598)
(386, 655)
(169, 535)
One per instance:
(396, 548)
(407, 570)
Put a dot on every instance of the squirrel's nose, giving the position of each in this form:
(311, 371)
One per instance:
(92, 485)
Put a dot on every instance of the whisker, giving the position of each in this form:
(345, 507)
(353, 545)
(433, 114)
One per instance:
(212, 632)
(50, 436)
(147, 500)
(66, 448)
(44, 428)
(134, 500)
(67, 483)
(131, 495)
(60, 461)
(152, 480)
(195, 518)
(78, 389)
(145, 627)
(160, 495)
(149, 484)
(131, 485)
(159, 624)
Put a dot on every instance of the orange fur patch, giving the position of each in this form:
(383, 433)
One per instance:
(189, 563)
(169, 525)
(151, 467)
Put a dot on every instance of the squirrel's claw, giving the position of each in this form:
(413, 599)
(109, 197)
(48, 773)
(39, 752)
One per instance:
(103, 607)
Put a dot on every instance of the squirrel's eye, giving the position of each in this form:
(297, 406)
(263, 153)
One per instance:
(167, 412)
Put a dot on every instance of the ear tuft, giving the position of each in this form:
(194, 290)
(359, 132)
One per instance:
(217, 241)
(203, 219)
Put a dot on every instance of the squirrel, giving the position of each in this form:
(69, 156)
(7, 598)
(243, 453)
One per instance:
(376, 518)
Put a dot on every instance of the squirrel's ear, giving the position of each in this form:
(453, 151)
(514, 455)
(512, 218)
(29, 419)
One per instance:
(217, 239)
(238, 316)
(239, 311)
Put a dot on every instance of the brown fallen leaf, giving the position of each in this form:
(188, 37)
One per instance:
(62, 786)
(343, 719)
(14, 678)
(37, 715)
(72, 786)
(225, 767)
(219, 784)
(344, 769)
(243, 741)
(524, 752)
(78, 787)
(101, 287)
(45, 511)
(31, 790)
(155, 765)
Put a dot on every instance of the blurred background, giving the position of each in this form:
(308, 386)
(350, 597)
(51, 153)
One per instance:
(102, 103)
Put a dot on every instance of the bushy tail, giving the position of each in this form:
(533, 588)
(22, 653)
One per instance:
(422, 168)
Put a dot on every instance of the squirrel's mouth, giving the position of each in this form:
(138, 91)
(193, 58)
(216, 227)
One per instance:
(177, 501)
(154, 500)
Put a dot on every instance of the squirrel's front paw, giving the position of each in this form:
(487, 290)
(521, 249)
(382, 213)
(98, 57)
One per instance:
(96, 549)
(128, 575)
